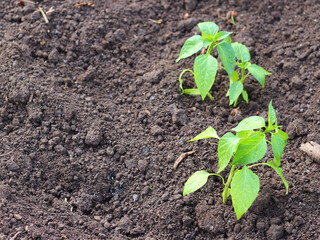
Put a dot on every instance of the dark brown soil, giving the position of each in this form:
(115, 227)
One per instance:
(88, 142)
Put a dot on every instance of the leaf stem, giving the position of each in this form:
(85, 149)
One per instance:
(210, 96)
(235, 103)
(226, 193)
(242, 73)
(215, 174)
(211, 47)
(244, 77)
(258, 164)
(180, 77)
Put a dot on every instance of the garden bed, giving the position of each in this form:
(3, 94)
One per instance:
(88, 140)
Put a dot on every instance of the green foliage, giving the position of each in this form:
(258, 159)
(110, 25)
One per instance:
(251, 149)
(248, 146)
(278, 144)
(258, 73)
(235, 90)
(205, 67)
(208, 30)
(272, 115)
(226, 147)
(245, 187)
(210, 132)
(191, 46)
(241, 52)
(250, 123)
(227, 57)
(197, 180)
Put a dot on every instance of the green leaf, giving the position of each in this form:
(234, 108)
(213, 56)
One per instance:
(278, 144)
(258, 73)
(205, 69)
(271, 115)
(227, 56)
(227, 40)
(283, 134)
(241, 51)
(279, 172)
(226, 147)
(235, 91)
(245, 187)
(208, 30)
(245, 134)
(250, 123)
(206, 42)
(221, 35)
(245, 96)
(210, 132)
(190, 47)
(196, 181)
(235, 76)
(251, 149)
(246, 65)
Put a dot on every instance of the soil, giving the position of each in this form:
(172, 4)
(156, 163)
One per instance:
(92, 120)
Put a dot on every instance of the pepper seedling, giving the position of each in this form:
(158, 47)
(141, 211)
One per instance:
(246, 68)
(206, 66)
(246, 147)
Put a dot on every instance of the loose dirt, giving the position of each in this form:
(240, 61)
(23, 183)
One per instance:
(92, 120)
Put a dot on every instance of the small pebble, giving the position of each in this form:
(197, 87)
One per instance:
(135, 197)
(145, 149)
(17, 216)
(58, 113)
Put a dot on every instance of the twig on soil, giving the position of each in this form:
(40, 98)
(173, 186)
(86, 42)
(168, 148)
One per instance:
(30, 98)
(181, 157)
(219, 14)
(15, 236)
(27, 1)
(51, 10)
(156, 21)
(206, 8)
(312, 149)
(43, 14)
(90, 4)
(5, 154)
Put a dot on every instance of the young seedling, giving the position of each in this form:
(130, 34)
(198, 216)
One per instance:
(206, 66)
(246, 68)
(247, 146)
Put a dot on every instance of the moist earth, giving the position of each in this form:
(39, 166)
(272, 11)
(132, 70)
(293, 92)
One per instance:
(92, 120)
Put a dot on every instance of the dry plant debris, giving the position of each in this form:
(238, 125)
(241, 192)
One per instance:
(312, 149)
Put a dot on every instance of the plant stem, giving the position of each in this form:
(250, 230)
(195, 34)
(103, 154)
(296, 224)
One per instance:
(243, 77)
(210, 96)
(235, 103)
(211, 47)
(257, 164)
(242, 73)
(221, 67)
(225, 193)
